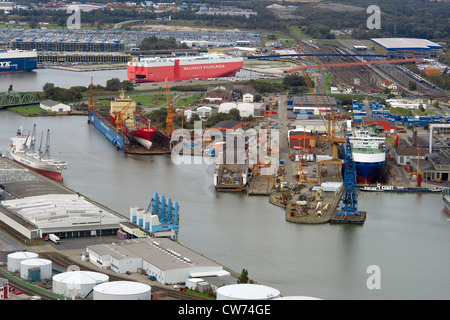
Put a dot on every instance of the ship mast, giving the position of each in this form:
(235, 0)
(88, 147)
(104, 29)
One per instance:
(40, 145)
(33, 140)
(47, 146)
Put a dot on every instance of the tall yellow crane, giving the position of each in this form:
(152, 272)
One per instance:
(91, 98)
(330, 124)
(170, 111)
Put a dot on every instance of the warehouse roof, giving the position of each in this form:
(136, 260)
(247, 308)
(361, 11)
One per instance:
(62, 212)
(163, 253)
(406, 43)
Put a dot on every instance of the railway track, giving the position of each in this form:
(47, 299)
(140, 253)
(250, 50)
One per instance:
(345, 75)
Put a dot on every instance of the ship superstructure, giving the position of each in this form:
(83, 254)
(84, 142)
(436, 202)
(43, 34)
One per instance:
(17, 61)
(369, 154)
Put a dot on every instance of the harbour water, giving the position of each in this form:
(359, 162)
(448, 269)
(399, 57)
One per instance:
(407, 236)
(35, 80)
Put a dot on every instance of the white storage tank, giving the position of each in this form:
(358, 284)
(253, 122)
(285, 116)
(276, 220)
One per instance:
(14, 259)
(246, 291)
(77, 284)
(44, 265)
(122, 290)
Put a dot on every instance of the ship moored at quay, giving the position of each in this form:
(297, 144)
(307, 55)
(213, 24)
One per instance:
(156, 69)
(17, 61)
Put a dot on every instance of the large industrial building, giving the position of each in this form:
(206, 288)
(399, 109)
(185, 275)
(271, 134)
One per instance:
(406, 47)
(36, 207)
(66, 215)
(164, 259)
(68, 45)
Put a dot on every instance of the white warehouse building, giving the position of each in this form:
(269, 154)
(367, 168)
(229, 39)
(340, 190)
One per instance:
(54, 106)
(245, 109)
(164, 259)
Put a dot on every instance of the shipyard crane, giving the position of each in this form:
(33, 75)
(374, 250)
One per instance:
(350, 199)
(330, 137)
(170, 113)
(91, 98)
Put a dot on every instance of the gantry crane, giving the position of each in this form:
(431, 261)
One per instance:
(330, 124)
(170, 113)
(350, 199)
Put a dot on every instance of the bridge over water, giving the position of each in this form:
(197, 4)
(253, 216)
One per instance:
(15, 99)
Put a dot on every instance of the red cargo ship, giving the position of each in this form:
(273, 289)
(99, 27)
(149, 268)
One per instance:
(156, 69)
(124, 116)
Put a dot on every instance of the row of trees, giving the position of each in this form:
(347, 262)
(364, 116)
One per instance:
(76, 93)
(154, 43)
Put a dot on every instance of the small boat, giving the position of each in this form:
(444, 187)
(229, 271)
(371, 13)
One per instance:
(22, 150)
(378, 188)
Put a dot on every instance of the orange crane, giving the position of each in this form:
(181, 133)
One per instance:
(330, 137)
(170, 113)
(91, 98)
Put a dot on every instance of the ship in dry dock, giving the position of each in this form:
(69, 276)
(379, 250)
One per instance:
(127, 129)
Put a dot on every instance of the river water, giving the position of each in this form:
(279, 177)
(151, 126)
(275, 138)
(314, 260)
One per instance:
(407, 236)
(35, 80)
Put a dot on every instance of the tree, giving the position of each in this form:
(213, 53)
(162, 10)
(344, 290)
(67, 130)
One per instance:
(243, 278)
(234, 114)
(412, 85)
(113, 84)
(127, 85)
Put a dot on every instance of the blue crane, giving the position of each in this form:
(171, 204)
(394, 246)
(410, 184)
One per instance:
(350, 200)
(167, 213)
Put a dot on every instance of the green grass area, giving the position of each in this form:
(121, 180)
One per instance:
(28, 110)
(299, 33)
(283, 38)
(11, 26)
(400, 111)
(185, 101)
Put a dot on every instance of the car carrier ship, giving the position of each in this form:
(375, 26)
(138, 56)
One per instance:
(157, 69)
(17, 61)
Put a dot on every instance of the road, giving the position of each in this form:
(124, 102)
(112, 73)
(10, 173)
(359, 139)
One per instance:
(284, 144)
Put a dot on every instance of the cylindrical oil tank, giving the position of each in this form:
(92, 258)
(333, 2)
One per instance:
(122, 290)
(246, 291)
(14, 259)
(77, 284)
(34, 274)
(43, 264)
